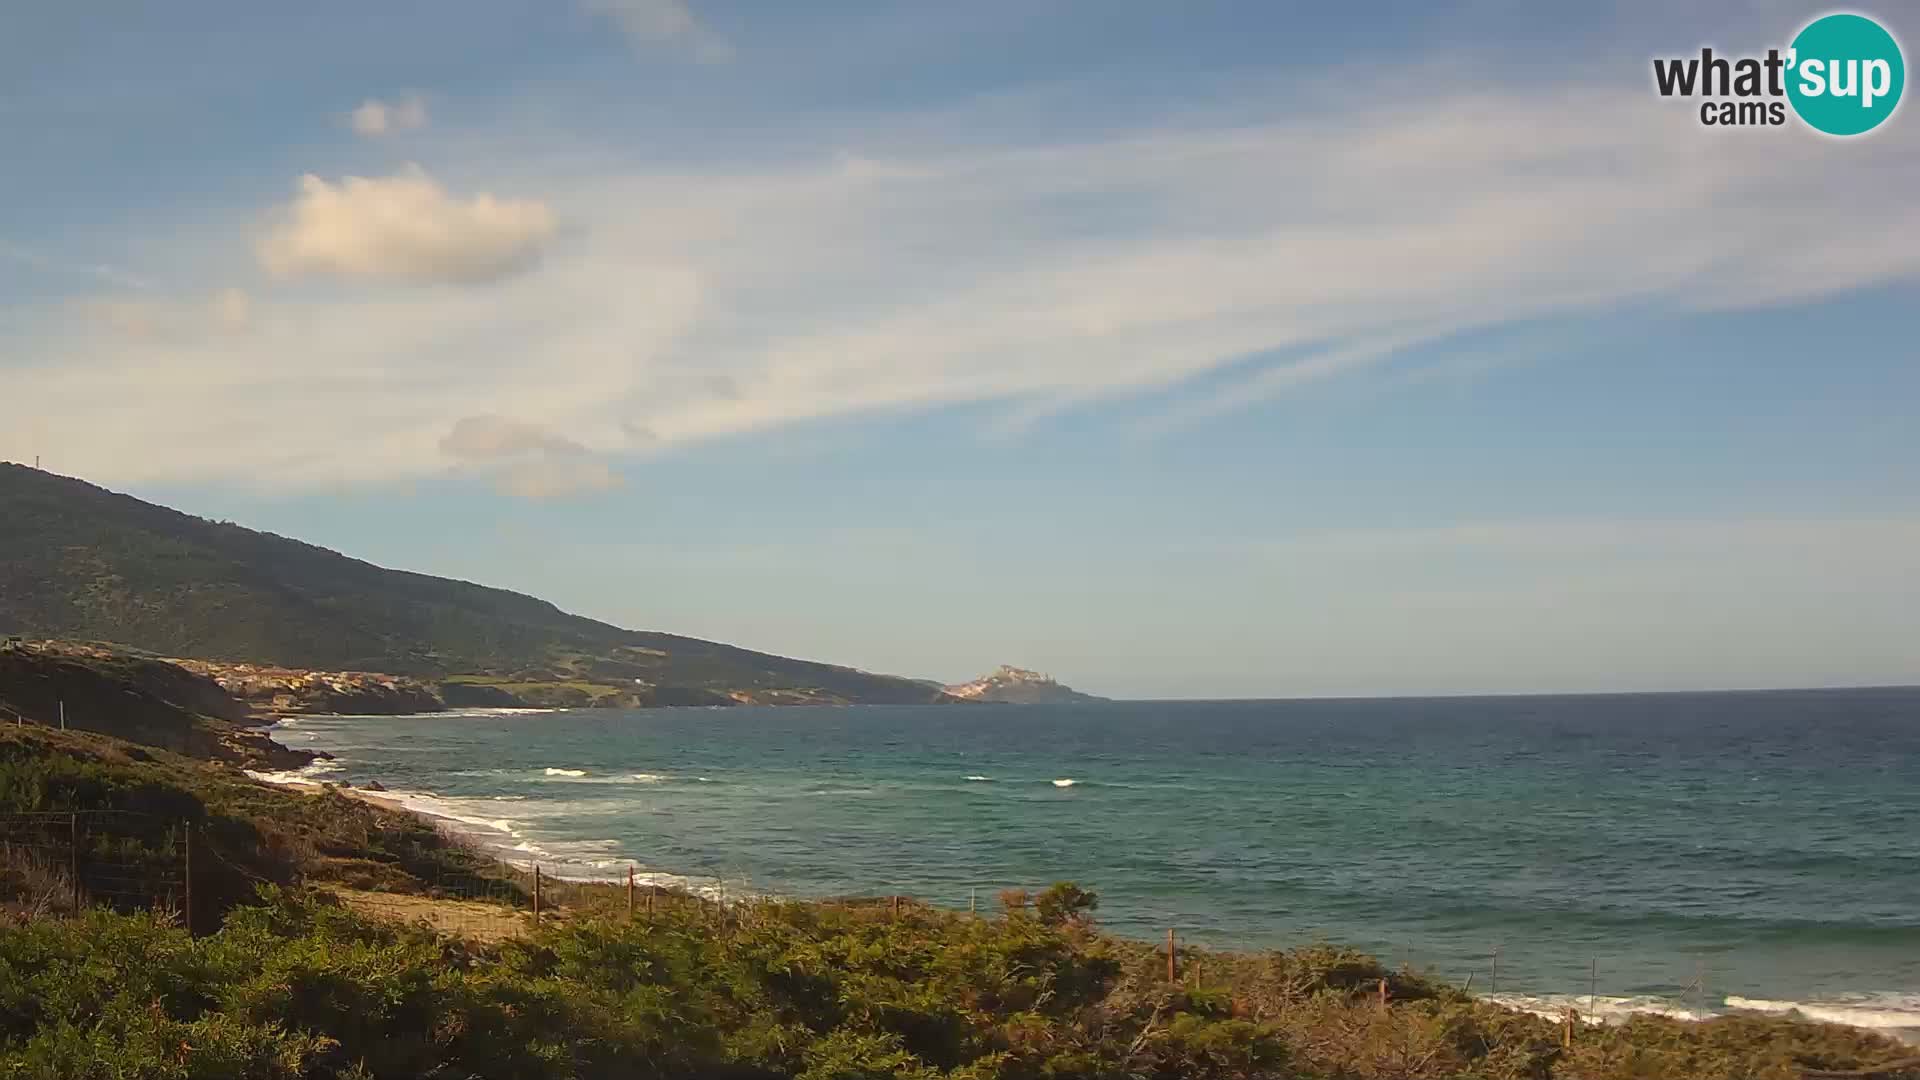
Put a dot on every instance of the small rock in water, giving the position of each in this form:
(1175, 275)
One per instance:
(373, 785)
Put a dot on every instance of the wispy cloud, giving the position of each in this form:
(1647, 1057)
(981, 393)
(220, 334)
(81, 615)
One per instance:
(483, 437)
(654, 22)
(110, 275)
(376, 118)
(556, 478)
(691, 305)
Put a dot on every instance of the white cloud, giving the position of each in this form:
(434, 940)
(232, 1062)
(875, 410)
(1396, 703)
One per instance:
(526, 460)
(404, 226)
(151, 318)
(375, 118)
(493, 436)
(556, 478)
(695, 304)
(232, 308)
(653, 22)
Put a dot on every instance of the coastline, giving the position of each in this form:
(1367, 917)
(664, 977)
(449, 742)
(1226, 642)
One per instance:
(667, 756)
(495, 838)
(1895, 1016)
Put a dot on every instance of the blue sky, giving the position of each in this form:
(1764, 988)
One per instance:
(1179, 350)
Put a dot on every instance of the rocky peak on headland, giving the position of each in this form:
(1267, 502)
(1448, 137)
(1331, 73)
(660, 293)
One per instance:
(1018, 686)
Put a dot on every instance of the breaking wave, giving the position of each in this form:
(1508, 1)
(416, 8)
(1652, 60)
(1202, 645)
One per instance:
(1881, 1012)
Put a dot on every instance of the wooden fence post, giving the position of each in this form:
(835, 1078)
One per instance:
(629, 893)
(73, 840)
(1383, 993)
(896, 905)
(1566, 1034)
(651, 890)
(186, 879)
(1593, 982)
(1494, 982)
(1171, 978)
(536, 894)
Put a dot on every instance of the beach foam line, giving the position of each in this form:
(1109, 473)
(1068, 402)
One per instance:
(1065, 781)
(593, 860)
(979, 779)
(566, 772)
(1880, 1012)
(1599, 1009)
(308, 775)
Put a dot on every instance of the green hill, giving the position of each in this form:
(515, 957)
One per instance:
(78, 561)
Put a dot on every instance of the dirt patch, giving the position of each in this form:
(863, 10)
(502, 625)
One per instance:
(458, 918)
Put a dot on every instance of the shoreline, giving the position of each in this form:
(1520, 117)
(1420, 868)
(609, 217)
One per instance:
(482, 815)
(1893, 1015)
(491, 839)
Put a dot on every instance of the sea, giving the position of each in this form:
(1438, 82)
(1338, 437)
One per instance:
(1677, 853)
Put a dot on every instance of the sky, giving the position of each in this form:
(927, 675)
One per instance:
(1179, 350)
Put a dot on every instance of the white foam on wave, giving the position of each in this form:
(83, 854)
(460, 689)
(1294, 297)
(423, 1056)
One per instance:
(648, 778)
(470, 812)
(307, 776)
(566, 772)
(979, 779)
(1881, 1012)
(1601, 1010)
(1065, 781)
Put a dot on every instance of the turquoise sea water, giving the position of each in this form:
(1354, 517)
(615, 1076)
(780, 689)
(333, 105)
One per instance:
(1694, 850)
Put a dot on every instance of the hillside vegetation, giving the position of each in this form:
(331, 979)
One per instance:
(80, 562)
(283, 981)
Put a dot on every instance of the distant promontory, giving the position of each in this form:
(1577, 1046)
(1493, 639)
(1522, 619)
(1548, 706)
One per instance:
(1018, 686)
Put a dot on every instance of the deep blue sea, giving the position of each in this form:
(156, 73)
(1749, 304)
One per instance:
(1688, 852)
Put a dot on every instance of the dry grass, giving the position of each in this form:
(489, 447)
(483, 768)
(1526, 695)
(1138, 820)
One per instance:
(472, 919)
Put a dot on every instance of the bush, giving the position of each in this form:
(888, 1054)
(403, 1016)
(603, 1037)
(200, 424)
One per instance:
(295, 986)
(1064, 902)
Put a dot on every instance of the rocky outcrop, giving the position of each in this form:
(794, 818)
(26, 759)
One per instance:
(1018, 686)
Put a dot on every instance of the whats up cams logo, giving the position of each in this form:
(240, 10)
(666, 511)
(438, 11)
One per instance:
(1842, 75)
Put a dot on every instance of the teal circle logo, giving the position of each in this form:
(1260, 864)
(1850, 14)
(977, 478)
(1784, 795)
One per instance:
(1845, 74)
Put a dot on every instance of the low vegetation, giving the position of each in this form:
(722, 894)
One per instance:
(294, 986)
(130, 809)
(284, 978)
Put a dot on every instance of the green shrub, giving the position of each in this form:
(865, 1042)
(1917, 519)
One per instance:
(295, 985)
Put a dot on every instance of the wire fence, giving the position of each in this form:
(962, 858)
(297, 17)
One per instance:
(62, 863)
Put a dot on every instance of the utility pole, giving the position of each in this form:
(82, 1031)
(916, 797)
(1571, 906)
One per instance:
(63, 714)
